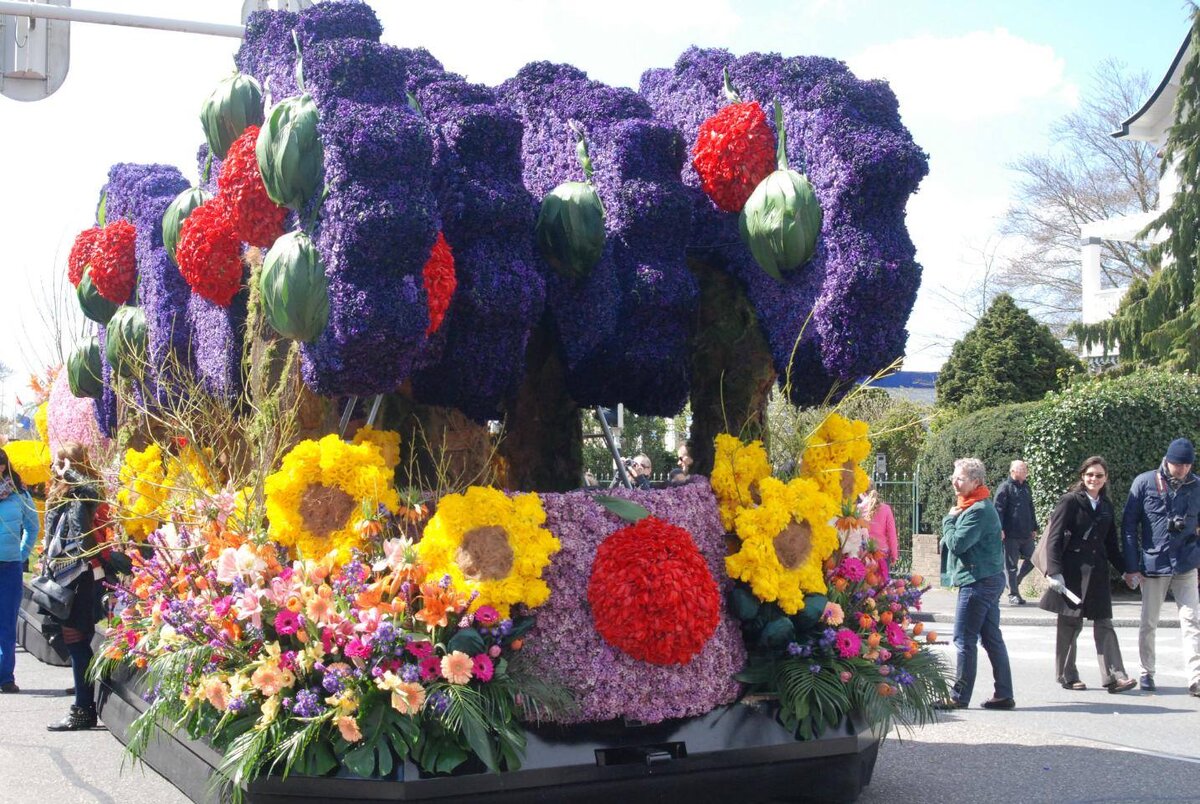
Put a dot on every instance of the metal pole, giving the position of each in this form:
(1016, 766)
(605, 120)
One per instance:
(612, 447)
(346, 412)
(39, 10)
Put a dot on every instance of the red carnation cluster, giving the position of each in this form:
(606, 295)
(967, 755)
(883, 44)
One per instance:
(652, 595)
(257, 219)
(114, 261)
(209, 252)
(81, 253)
(440, 282)
(734, 151)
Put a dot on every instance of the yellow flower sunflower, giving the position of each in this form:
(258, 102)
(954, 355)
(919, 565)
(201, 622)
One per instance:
(833, 454)
(143, 491)
(386, 441)
(738, 469)
(785, 542)
(316, 499)
(491, 543)
(30, 460)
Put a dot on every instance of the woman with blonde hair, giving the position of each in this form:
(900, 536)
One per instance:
(881, 522)
(18, 534)
(71, 505)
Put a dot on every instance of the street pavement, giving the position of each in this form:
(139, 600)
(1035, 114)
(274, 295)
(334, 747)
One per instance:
(1057, 746)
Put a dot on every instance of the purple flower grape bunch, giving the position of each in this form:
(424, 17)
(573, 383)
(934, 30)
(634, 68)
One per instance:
(846, 135)
(377, 226)
(641, 284)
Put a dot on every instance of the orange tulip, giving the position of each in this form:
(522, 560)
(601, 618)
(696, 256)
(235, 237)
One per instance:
(885, 618)
(865, 621)
(916, 580)
(517, 644)
(885, 689)
(839, 583)
(918, 628)
(931, 636)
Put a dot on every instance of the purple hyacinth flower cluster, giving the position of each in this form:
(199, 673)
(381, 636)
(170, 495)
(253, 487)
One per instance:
(380, 218)
(106, 405)
(565, 646)
(487, 219)
(846, 135)
(140, 194)
(625, 329)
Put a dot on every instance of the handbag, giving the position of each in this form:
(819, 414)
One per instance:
(1039, 557)
(52, 596)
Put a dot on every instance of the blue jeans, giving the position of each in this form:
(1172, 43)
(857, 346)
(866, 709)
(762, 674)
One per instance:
(10, 604)
(978, 618)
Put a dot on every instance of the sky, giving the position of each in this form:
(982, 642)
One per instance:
(979, 83)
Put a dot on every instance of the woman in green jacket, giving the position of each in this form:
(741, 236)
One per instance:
(973, 560)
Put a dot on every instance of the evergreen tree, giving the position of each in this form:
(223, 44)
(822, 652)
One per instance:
(1007, 357)
(1158, 320)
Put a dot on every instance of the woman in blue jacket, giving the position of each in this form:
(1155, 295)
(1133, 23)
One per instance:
(18, 535)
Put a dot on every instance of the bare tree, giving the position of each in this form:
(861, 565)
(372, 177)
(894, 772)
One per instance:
(1087, 176)
(57, 322)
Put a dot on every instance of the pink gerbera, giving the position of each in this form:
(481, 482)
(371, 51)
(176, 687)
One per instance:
(287, 622)
(848, 643)
(482, 667)
(457, 667)
(430, 667)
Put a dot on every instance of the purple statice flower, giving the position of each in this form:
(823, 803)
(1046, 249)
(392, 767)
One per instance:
(904, 678)
(793, 649)
(565, 647)
(814, 669)
(410, 673)
(439, 702)
(846, 135)
(642, 283)
(307, 705)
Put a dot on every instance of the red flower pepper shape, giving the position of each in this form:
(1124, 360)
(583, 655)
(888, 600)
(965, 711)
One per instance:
(652, 595)
(257, 219)
(440, 282)
(734, 151)
(81, 253)
(114, 261)
(209, 252)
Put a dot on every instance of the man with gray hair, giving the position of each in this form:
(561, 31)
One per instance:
(973, 560)
(1018, 527)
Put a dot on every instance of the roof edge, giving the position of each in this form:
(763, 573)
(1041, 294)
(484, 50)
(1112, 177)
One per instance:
(1123, 131)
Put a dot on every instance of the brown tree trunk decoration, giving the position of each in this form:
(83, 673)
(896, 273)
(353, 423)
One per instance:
(542, 449)
(732, 369)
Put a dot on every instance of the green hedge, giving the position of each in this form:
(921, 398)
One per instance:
(1129, 420)
(994, 435)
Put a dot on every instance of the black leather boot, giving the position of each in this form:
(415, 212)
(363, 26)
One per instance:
(76, 720)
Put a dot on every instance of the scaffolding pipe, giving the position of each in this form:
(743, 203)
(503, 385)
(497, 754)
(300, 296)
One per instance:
(43, 11)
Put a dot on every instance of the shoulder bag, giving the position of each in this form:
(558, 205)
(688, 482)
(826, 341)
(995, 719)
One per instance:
(52, 596)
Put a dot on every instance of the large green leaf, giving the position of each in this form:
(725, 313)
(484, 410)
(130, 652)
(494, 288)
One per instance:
(625, 509)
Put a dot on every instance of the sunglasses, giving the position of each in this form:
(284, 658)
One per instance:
(1096, 475)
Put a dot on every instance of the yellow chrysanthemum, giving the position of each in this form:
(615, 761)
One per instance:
(489, 542)
(737, 470)
(189, 470)
(316, 499)
(836, 448)
(41, 422)
(785, 541)
(386, 441)
(30, 460)
(143, 491)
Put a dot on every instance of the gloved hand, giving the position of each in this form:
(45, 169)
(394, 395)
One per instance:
(1057, 583)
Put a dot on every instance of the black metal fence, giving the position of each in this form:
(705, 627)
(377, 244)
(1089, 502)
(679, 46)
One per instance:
(899, 490)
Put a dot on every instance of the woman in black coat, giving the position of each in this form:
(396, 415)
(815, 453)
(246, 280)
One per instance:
(1081, 535)
(70, 510)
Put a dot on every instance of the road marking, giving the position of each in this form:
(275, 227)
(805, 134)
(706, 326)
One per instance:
(1130, 749)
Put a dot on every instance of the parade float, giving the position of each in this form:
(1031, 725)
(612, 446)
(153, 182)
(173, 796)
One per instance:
(335, 397)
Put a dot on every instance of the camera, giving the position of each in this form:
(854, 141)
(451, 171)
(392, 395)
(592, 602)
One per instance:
(1175, 524)
(629, 464)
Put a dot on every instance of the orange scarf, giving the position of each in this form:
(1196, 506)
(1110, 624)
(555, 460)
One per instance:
(980, 493)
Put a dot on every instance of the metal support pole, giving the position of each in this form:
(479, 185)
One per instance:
(612, 447)
(42, 11)
(374, 410)
(346, 413)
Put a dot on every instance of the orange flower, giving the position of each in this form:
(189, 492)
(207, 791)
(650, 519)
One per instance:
(370, 597)
(866, 621)
(849, 523)
(873, 640)
(916, 580)
(348, 726)
(885, 617)
(517, 644)
(457, 667)
(931, 636)
(839, 583)
(408, 697)
(437, 604)
(320, 606)
(872, 578)
(232, 628)
(885, 689)
(918, 628)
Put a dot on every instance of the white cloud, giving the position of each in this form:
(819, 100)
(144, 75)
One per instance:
(978, 76)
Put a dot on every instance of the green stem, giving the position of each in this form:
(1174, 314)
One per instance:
(780, 138)
(208, 160)
(581, 150)
(731, 94)
(299, 62)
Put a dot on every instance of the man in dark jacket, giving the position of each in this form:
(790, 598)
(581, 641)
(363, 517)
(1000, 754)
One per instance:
(1159, 535)
(1014, 504)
